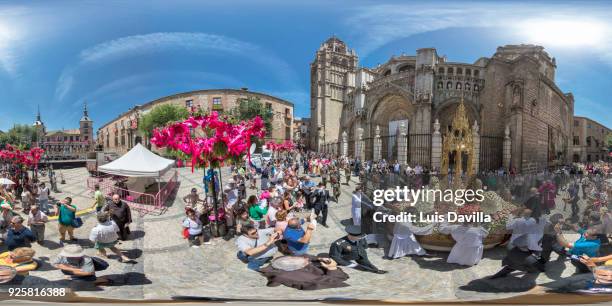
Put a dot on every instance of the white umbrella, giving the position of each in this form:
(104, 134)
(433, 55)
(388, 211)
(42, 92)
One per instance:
(5, 181)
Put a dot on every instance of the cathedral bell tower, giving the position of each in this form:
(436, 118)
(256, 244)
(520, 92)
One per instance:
(86, 128)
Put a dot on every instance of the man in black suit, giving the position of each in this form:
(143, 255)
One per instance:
(320, 205)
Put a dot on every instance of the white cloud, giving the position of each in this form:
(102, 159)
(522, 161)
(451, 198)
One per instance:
(155, 42)
(135, 45)
(132, 81)
(377, 25)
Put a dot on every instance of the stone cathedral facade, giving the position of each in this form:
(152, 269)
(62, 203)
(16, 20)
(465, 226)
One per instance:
(401, 110)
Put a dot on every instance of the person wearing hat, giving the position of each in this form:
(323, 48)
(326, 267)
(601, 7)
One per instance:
(21, 259)
(73, 262)
(350, 251)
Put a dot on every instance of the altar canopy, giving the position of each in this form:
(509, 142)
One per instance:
(138, 162)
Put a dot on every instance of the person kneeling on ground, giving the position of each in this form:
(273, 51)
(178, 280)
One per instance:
(297, 238)
(588, 244)
(194, 227)
(256, 247)
(350, 251)
(73, 262)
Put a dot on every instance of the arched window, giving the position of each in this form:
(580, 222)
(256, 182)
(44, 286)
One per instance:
(458, 86)
(467, 86)
(476, 73)
(476, 88)
(459, 71)
(441, 70)
(440, 85)
(388, 72)
(449, 85)
(468, 72)
(449, 70)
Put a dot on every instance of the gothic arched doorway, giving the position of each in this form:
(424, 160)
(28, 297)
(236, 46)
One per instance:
(388, 115)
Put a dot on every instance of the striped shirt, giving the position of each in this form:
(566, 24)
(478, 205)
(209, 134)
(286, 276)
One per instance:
(104, 232)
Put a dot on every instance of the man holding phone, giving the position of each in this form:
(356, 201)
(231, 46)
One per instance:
(256, 247)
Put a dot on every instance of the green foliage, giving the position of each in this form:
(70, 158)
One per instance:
(161, 116)
(609, 141)
(20, 136)
(250, 107)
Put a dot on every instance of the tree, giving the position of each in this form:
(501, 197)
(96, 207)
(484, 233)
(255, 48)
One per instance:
(161, 116)
(20, 135)
(250, 107)
(609, 141)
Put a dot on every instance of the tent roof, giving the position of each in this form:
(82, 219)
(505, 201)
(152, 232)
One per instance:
(138, 162)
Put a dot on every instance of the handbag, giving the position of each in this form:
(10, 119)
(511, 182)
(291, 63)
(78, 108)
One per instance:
(99, 264)
(77, 222)
(185, 233)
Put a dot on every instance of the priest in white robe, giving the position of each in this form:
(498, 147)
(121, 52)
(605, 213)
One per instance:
(468, 246)
(356, 206)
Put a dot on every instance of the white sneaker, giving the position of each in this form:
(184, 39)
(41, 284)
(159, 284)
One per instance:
(208, 243)
(195, 246)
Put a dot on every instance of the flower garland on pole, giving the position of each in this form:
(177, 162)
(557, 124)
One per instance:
(15, 156)
(209, 141)
(286, 146)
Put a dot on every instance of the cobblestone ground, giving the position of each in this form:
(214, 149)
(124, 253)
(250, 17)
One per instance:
(166, 267)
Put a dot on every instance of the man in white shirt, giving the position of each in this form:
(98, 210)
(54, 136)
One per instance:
(36, 222)
(256, 247)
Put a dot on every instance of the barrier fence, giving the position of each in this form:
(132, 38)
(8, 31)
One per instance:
(143, 202)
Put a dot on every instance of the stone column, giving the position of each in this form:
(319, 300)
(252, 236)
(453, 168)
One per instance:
(436, 146)
(360, 152)
(402, 145)
(377, 144)
(344, 144)
(476, 159)
(507, 148)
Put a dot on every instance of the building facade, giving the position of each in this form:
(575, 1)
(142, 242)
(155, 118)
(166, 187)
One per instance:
(301, 127)
(589, 141)
(66, 144)
(122, 133)
(522, 118)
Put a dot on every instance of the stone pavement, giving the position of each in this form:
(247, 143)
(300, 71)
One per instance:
(166, 267)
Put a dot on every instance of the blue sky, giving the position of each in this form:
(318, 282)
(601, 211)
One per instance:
(116, 54)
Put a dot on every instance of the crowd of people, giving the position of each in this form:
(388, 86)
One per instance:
(278, 210)
(282, 215)
(24, 218)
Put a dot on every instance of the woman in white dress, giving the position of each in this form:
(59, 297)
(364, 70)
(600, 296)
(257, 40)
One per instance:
(468, 246)
(404, 242)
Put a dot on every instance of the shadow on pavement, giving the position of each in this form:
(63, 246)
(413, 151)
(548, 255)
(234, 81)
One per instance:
(510, 283)
(136, 234)
(436, 264)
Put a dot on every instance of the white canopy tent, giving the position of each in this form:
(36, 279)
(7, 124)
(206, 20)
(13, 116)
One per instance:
(138, 162)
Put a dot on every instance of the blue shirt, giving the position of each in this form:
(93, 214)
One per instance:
(292, 235)
(17, 239)
(583, 246)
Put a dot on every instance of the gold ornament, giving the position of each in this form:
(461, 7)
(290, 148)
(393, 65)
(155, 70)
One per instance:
(459, 140)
